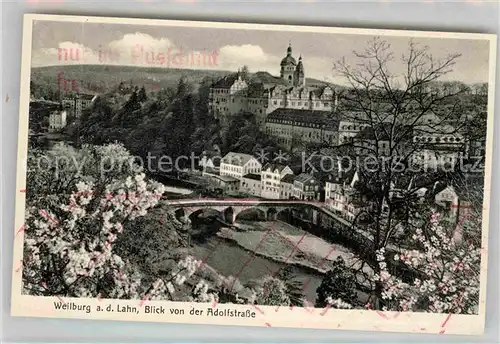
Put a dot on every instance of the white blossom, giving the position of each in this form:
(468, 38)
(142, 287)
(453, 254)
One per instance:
(446, 286)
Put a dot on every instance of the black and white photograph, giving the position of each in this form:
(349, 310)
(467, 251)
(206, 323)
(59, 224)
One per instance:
(253, 174)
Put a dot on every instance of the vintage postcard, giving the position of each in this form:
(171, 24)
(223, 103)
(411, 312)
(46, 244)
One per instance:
(257, 175)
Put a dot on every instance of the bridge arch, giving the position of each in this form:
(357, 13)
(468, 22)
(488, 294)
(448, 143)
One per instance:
(252, 214)
(285, 214)
(272, 213)
(180, 213)
(205, 211)
(229, 214)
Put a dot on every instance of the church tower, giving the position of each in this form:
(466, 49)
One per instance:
(288, 65)
(299, 76)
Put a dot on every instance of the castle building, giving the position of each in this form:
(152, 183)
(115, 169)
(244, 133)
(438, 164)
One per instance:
(297, 126)
(265, 93)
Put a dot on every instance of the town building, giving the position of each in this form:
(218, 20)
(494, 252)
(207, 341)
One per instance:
(342, 198)
(294, 127)
(411, 186)
(237, 165)
(476, 148)
(210, 160)
(383, 140)
(271, 178)
(228, 184)
(251, 184)
(438, 150)
(339, 194)
(57, 120)
(286, 186)
(447, 198)
(75, 104)
(348, 129)
(306, 187)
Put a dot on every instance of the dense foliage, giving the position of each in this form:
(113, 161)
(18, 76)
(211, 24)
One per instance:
(95, 227)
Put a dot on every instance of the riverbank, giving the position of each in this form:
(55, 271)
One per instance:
(231, 260)
(177, 190)
(284, 243)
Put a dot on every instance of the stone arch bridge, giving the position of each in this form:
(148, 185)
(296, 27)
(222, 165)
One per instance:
(230, 208)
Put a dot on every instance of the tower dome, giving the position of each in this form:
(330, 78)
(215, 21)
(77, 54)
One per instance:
(288, 65)
(288, 59)
(300, 66)
(299, 77)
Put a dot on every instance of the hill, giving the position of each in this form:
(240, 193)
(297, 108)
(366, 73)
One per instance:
(267, 78)
(102, 78)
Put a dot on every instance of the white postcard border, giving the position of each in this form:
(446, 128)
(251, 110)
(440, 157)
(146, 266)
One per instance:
(25, 305)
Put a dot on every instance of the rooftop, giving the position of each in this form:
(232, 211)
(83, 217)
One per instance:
(274, 167)
(304, 117)
(214, 156)
(227, 179)
(212, 171)
(226, 82)
(252, 176)
(305, 178)
(288, 178)
(237, 159)
(266, 78)
(84, 96)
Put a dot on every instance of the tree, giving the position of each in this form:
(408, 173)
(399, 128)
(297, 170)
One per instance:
(52, 175)
(294, 288)
(142, 96)
(74, 241)
(245, 73)
(337, 287)
(68, 248)
(392, 110)
(152, 240)
(271, 291)
(450, 273)
(133, 102)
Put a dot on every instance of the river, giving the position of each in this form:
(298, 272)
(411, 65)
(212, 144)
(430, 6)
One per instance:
(230, 259)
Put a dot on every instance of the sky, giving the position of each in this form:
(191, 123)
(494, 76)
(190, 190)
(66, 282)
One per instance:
(258, 49)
